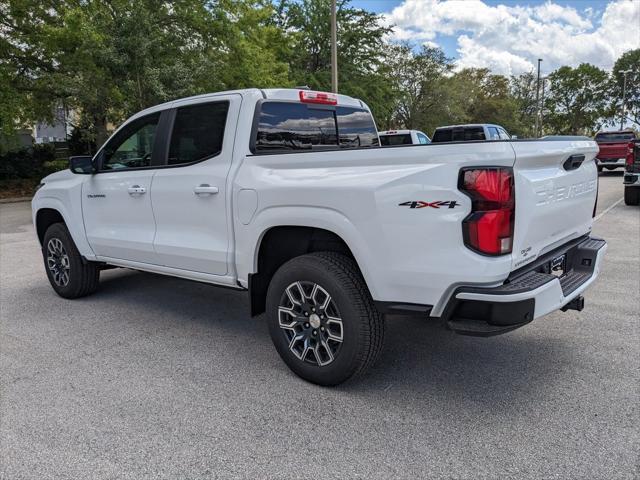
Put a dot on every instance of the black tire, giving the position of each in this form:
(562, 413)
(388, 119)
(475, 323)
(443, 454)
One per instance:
(599, 168)
(72, 277)
(632, 195)
(361, 325)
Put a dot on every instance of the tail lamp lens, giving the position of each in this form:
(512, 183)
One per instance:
(630, 158)
(489, 227)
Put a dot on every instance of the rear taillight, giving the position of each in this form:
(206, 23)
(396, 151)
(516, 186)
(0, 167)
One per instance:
(488, 229)
(630, 158)
(324, 98)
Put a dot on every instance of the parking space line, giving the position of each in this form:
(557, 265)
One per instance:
(607, 209)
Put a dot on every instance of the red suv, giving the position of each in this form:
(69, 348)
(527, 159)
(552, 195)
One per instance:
(613, 148)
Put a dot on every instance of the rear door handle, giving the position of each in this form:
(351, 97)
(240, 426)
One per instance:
(205, 189)
(136, 190)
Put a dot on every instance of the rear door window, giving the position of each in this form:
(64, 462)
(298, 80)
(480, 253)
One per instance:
(291, 126)
(401, 139)
(198, 131)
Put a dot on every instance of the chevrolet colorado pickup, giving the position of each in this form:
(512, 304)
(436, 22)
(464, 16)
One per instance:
(613, 148)
(286, 194)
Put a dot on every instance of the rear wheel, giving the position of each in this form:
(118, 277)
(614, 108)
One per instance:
(322, 319)
(632, 195)
(69, 274)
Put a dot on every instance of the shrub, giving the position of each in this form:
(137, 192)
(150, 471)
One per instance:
(32, 162)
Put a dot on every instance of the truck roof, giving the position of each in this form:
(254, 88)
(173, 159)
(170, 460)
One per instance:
(398, 132)
(471, 125)
(285, 94)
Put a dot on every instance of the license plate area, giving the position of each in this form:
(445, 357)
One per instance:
(558, 265)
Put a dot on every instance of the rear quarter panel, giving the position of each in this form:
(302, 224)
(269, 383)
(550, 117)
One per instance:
(412, 255)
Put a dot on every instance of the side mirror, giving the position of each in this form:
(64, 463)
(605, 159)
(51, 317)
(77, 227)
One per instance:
(81, 164)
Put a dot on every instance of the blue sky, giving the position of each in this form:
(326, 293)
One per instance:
(508, 36)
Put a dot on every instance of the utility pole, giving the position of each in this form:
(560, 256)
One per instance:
(334, 48)
(538, 100)
(624, 95)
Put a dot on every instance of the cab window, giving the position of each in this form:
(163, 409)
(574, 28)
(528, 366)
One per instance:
(423, 139)
(297, 127)
(132, 147)
(198, 131)
(399, 139)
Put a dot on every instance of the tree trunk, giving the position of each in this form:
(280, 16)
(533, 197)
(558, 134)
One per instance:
(100, 129)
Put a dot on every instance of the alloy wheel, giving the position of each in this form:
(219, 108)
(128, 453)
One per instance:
(311, 323)
(58, 262)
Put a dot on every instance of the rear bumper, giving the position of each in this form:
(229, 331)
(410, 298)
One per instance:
(631, 179)
(529, 294)
(610, 162)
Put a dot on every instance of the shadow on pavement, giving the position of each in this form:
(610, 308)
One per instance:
(420, 357)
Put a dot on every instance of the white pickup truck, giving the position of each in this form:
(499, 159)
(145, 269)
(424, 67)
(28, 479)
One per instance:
(286, 193)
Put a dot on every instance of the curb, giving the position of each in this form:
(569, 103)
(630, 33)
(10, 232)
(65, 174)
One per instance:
(15, 200)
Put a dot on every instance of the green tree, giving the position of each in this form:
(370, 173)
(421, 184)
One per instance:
(419, 81)
(577, 102)
(523, 92)
(481, 97)
(108, 59)
(628, 61)
(362, 71)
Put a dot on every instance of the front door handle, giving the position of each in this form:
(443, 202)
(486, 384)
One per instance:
(205, 189)
(136, 190)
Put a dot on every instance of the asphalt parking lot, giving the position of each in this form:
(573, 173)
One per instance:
(155, 377)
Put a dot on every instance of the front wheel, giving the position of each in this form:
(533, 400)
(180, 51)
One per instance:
(69, 274)
(322, 319)
(632, 195)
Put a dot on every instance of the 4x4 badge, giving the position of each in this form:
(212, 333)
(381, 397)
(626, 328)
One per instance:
(436, 204)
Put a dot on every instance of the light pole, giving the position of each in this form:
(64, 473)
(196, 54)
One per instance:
(544, 80)
(624, 95)
(334, 48)
(538, 99)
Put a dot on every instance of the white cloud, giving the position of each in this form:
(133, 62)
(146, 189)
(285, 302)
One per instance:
(509, 39)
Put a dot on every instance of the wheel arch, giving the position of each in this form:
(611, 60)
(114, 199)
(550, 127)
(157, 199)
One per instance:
(279, 244)
(45, 217)
(50, 210)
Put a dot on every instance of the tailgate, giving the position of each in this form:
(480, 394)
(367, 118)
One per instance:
(554, 199)
(612, 150)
